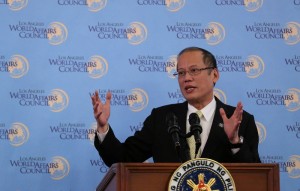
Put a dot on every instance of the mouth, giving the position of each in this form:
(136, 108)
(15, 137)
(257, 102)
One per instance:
(189, 89)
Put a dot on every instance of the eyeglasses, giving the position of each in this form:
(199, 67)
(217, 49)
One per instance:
(192, 72)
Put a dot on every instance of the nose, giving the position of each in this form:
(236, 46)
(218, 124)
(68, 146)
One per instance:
(187, 77)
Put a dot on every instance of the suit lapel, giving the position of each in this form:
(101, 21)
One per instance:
(181, 113)
(216, 134)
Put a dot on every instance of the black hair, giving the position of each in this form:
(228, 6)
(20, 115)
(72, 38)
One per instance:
(208, 58)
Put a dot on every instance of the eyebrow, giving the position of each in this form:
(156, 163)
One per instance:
(191, 66)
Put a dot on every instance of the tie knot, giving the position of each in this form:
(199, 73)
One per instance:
(199, 113)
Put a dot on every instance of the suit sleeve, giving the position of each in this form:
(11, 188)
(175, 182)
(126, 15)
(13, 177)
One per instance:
(136, 148)
(249, 150)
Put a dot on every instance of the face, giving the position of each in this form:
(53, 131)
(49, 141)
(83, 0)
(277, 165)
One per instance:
(197, 89)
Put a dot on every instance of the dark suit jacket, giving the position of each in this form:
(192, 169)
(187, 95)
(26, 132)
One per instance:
(154, 140)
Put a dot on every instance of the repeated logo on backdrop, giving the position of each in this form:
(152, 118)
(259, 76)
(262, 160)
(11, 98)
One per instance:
(262, 132)
(92, 5)
(60, 169)
(135, 32)
(73, 131)
(213, 33)
(294, 62)
(135, 99)
(99, 164)
(253, 5)
(175, 5)
(256, 66)
(220, 95)
(16, 135)
(293, 103)
(276, 97)
(57, 100)
(17, 66)
(95, 67)
(289, 32)
(56, 168)
(55, 33)
(293, 37)
(250, 5)
(253, 66)
(154, 63)
(171, 5)
(58, 34)
(15, 5)
(291, 166)
(294, 129)
(175, 96)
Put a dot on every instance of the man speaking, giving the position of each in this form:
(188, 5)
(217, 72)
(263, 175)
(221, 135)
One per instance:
(223, 133)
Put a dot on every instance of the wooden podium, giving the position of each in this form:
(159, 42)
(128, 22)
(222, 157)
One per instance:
(156, 176)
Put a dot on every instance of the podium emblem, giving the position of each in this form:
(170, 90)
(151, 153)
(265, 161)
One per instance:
(201, 174)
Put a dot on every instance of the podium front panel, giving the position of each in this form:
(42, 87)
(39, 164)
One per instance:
(156, 176)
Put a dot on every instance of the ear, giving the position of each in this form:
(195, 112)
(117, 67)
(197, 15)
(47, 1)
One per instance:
(216, 75)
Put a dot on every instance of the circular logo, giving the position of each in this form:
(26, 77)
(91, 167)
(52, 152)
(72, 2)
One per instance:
(216, 35)
(294, 170)
(262, 132)
(294, 36)
(293, 101)
(220, 95)
(172, 68)
(174, 5)
(256, 68)
(19, 135)
(59, 100)
(137, 100)
(96, 5)
(99, 68)
(60, 168)
(201, 174)
(138, 33)
(253, 5)
(58, 34)
(17, 5)
(19, 67)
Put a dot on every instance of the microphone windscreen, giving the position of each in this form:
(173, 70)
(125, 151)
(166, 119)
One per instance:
(194, 119)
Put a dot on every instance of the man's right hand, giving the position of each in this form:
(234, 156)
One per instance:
(101, 111)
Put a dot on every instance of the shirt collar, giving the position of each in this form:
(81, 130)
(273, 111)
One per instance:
(208, 111)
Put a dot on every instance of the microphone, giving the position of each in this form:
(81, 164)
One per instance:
(173, 129)
(196, 130)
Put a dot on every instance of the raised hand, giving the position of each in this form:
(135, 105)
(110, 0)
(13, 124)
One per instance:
(232, 124)
(101, 111)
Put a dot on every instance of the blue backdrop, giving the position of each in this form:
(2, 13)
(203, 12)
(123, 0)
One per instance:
(54, 53)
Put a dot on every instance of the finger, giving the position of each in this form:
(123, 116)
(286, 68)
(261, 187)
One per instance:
(97, 96)
(93, 98)
(97, 115)
(95, 106)
(223, 114)
(97, 110)
(240, 111)
(108, 97)
(98, 99)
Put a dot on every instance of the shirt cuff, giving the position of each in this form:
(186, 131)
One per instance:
(101, 136)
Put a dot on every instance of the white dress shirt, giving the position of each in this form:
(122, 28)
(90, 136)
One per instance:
(206, 120)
